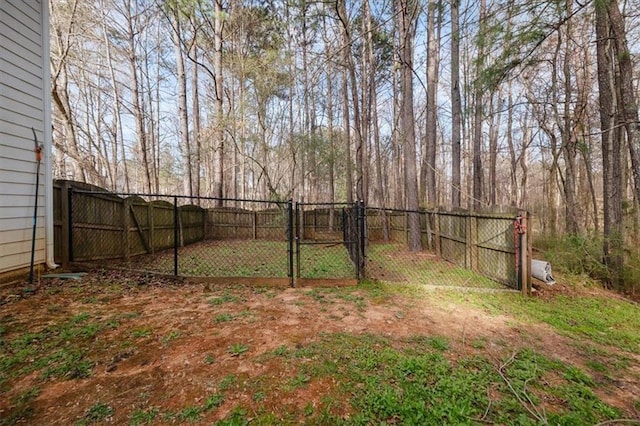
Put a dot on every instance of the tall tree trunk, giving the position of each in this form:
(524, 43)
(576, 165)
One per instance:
(627, 90)
(357, 121)
(407, 16)
(185, 146)
(569, 142)
(456, 104)
(494, 126)
(429, 161)
(612, 185)
(397, 175)
(330, 118)
(478, 180)
(347, 135)
(368, 89)
(218, 159)
(136, 98)
(195, 113)
(513, 176)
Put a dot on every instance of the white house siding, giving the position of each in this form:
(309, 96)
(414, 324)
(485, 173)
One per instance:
(22, 107)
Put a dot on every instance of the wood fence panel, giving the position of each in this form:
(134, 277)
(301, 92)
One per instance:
(191, 218)
(398, 226)
(271, 224)
(97, 226)
(375, 224)
(162, 225)
(138, 223)
(452, 232)
(228, 223)
(496, 249)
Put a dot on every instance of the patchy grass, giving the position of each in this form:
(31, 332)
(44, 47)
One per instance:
(249, 258)
(608, 321)
(96, 414)
(325, 261)
(378, 353)
(238, 349)
(59, 350)
(391, 263)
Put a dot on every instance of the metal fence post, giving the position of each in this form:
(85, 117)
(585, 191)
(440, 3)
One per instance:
(362, 217)
(175, 236)
(523, 258)
(297, 237)
(355, 242)
(290, 242)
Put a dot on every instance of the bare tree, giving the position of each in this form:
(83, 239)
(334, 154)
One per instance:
(187, 179)
(428, 169)
(407, 15)
(456, 104)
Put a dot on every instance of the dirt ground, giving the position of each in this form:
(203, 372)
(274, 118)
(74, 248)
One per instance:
(171, 345)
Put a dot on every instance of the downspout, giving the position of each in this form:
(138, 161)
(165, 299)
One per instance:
(48, 142)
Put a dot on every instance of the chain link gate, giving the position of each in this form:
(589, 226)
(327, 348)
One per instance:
(330, 240)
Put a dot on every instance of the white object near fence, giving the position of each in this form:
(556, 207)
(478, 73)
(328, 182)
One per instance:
(542, 271)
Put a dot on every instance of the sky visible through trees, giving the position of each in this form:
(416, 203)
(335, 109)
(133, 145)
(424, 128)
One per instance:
(341, 100)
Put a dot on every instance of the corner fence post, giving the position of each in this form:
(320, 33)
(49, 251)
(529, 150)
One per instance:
(175, 236)
(523, 253)
(290, 236)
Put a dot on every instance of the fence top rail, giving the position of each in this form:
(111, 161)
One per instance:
(334, 204)
(479, 215)
(181, 197)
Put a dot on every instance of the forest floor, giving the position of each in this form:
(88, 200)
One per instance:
(125, 348)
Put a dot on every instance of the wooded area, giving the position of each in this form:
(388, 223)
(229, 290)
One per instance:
(399, 103)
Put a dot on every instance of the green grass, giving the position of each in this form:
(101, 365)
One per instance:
(380, 380)
(143, 417)
(223, 318)
(141, 333)
(258, 258)
(227, 382)
(188, 414)
(250, 258)
(226, 258)
(58, 351)
(22, 407)
(320, 261)
(237, 349)
(391, 263)
(226, 297)
(424, 378)
(170, 337)
(96, 414)
(607, 321)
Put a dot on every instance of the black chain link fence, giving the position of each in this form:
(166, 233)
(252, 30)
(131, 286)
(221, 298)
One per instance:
(184, 236)
(458, 249)
(224, 238)
(330, 240)
(208, 237)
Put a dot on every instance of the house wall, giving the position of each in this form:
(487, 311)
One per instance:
(23, 106)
